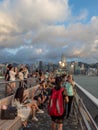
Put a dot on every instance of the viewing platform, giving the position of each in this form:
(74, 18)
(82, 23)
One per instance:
(84, 114)
(44, 122)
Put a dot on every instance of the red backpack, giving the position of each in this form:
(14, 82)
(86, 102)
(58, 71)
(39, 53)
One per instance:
(56, 103)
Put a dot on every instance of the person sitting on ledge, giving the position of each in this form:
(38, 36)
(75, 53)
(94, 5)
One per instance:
(25, 106)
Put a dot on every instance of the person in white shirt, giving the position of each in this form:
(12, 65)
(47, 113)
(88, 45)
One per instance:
(12, 75)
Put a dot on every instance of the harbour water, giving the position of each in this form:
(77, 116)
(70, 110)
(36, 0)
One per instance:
(90, 83)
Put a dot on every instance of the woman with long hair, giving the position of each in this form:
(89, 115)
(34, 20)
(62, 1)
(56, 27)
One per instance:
(12, 75)
(21, 101)
(58, 120)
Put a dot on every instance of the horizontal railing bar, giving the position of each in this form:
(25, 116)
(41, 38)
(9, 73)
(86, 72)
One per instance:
(82, 108)
(90, 117)
(6, 82)
(89, 95)
(84, 119)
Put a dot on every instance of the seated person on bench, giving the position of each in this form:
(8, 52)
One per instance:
(25, 106)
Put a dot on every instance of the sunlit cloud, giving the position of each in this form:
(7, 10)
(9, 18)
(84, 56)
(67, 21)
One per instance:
(32, 30)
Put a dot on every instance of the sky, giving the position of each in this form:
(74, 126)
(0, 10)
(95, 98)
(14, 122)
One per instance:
(34, 30)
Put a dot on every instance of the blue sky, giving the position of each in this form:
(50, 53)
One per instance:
(90, 5)
(44, 29)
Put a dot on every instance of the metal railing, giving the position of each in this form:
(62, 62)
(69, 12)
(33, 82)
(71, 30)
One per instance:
(4, 85)
(82, 114)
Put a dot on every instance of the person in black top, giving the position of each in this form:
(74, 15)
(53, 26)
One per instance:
(7, 78)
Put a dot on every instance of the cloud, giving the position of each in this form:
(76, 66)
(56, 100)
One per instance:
(20, 17)
(32, 30)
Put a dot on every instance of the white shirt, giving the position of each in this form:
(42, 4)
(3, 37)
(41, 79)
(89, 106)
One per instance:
(12, 75)
(21, 76)
(26, 74)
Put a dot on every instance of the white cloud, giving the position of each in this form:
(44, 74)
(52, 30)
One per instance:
(93, 18)
(83, 15)
(37, 29)
(20, 17)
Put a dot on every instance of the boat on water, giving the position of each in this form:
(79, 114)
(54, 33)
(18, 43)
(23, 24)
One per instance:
(84, 113)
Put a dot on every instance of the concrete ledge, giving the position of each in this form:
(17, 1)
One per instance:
(10, 124)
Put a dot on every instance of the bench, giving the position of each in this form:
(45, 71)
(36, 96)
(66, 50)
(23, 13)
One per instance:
(16, 123)
(10, 124)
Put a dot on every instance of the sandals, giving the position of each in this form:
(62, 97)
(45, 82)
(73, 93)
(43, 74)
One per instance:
(24, 123)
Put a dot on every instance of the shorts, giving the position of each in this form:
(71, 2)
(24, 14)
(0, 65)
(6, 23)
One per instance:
(58, 119)
(38, 96)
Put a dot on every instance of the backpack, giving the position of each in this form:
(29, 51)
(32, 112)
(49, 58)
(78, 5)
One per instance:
(56, 103)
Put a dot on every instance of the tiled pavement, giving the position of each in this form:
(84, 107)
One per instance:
(44, 123)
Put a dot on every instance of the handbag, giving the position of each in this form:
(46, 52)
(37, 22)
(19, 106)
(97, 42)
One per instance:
(8, 113)
(12, 109)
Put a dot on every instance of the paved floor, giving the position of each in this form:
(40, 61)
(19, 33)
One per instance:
(44, 123)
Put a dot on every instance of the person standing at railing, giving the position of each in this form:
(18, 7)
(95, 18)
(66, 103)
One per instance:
(64, 78)
(12, 74)
(21, 77)
(26, 73)
(16, 70)
(7, 78)
(70, 92)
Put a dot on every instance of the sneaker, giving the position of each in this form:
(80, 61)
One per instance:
(40, 111)
(67, 116)
(34, 119)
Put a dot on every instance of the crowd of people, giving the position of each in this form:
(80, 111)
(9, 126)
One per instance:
(48, 82)
(12, 73)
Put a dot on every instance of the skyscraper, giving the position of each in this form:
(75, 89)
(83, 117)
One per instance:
(63, 58)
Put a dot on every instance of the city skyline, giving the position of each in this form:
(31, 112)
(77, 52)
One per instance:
(34, 30)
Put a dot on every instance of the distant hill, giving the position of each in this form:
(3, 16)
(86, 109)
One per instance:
(14, 64)
(93, 65)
